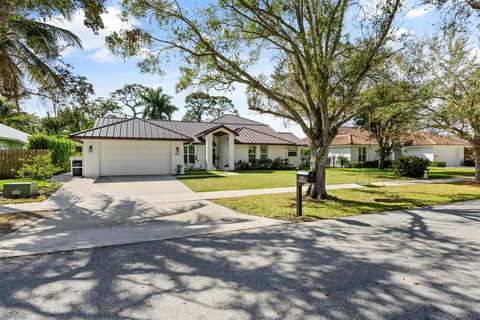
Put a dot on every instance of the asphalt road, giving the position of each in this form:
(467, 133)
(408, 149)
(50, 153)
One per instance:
(419, 264)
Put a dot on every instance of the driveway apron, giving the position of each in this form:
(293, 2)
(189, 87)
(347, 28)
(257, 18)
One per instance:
(121, 210)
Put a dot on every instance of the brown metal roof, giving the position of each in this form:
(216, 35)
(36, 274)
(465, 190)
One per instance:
(247, 131)
(133, 128)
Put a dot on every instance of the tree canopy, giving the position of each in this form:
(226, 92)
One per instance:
(451, 76)
(201, 106)
(30, 48)
(320, 53)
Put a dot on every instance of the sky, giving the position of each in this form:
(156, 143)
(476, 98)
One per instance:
(108, 73)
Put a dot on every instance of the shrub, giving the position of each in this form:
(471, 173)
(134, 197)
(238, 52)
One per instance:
(263, 164)
(37, 168)
(414, 167)
(469, 163)
(369, 164)
(438, 164)
(343, 161)
(62, 148)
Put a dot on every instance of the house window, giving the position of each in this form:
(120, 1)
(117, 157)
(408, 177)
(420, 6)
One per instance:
(362, 154)
(264, 152)
(252, 153)
(189, 154)
(292, 151)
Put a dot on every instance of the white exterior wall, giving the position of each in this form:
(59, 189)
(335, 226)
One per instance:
(241, 152)
(90, 160)
(371, 153)
(274, 151)
(340, 151)
(452, 155)
(425, 152)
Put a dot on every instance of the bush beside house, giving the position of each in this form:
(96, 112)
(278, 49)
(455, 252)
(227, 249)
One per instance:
(37, 168)
(410, 166)
(263, 164)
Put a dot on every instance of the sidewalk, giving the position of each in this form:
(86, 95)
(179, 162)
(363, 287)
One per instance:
(72, 190)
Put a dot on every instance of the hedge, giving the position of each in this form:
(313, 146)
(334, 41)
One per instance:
(413, 167)
(62, 148)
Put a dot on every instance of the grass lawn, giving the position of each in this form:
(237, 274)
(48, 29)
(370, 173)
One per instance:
(45, 190)
(10, 222)
(275, 179)
(352, 202)
(200, 172)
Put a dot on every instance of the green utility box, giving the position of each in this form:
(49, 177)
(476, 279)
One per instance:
(20, 189)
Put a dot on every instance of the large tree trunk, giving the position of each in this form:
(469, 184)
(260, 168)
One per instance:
(318, 163)
(476, 149)
(381, 160)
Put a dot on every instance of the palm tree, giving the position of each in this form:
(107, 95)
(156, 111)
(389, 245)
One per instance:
(157, 105)
(27, 49)
(6, 111)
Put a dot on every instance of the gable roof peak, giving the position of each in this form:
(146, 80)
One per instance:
(230, 118)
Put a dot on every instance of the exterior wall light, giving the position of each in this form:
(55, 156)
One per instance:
(177, 151)
(90, 149)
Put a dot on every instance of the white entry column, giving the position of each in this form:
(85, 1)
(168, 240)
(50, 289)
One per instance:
(231, 151)
(209, 151)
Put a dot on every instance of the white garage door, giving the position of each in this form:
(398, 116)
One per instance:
(134, 157)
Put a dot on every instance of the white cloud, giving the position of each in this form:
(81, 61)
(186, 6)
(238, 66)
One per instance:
(91, 42)
(418, 12)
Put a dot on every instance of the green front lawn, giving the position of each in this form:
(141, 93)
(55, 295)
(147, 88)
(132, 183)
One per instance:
(352, 202)
(45, 190)
(275, 179)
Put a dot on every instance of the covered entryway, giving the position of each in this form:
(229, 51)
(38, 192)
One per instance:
(134, 157)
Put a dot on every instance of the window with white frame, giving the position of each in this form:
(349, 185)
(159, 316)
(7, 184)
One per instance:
(264, 152)
(292, 151)
(189, 154)
(362, 154)
(252, 153)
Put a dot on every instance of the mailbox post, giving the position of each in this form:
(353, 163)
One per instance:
(303, 177)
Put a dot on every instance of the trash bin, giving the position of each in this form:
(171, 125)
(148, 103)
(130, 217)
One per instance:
(77, 168)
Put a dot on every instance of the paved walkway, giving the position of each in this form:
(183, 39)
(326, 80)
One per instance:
(74, 189)
(197, 196)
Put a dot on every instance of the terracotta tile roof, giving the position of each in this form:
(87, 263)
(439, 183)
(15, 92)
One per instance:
(248, 131)
(357, 136)
(422, 138)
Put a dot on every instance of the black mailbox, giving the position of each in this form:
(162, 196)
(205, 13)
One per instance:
(306, 176)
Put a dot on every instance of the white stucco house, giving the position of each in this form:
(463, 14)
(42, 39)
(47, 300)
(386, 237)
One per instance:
(119, 146)
(356, 145)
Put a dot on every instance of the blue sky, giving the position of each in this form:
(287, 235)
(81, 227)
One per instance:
(108, 73)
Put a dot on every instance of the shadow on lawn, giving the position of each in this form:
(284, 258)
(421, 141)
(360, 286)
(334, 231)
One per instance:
(391, 271)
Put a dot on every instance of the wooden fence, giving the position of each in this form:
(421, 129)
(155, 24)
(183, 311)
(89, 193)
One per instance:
(10, 160)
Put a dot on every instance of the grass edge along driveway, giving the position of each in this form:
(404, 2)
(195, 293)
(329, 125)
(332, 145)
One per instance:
(351, 202)
(262, 179)
(45, 190)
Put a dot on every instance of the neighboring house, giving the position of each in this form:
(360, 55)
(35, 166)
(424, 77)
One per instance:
(356, 145)
(11, 138)
(140, 147)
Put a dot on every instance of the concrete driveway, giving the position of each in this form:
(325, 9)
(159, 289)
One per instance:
(414, 264)
(120, 210)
